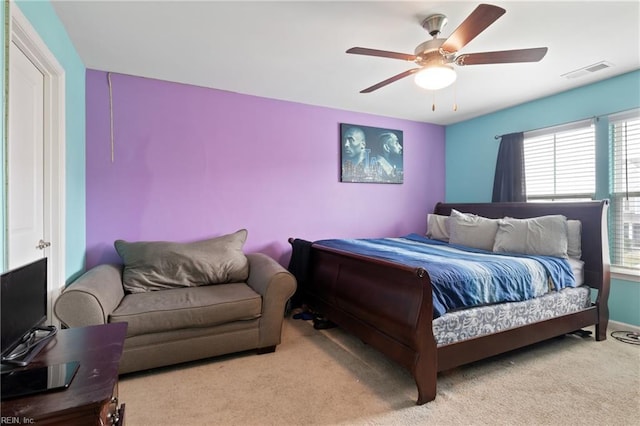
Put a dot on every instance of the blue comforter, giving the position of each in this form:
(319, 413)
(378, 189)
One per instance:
(463, 277)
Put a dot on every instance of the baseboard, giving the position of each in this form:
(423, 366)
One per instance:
(616, 325)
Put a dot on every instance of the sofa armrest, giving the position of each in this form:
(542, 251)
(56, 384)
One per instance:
(91, 298)
(276, 285)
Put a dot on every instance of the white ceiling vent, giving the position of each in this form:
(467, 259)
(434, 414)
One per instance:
(588, 70)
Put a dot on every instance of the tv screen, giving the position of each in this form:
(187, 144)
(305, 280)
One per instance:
(23, 292)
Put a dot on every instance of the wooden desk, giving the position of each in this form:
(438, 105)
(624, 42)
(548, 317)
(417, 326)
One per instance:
(92, 397)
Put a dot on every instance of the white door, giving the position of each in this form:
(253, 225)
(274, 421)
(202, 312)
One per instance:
(25, 179)
(35, 178)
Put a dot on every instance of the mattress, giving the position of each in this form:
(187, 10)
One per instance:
(464, 277)
(577, 266)
(475, 322)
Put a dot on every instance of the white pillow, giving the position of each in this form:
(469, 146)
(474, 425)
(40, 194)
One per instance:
(472, 231)
(543, 235)
(438, 227)
(574, 243)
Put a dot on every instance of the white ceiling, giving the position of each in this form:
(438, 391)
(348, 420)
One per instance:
(295, 51)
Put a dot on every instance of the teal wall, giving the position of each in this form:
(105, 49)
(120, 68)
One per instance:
(471, 147)
(471, 150)
(3, 207)
(43, 18)
(624, 301)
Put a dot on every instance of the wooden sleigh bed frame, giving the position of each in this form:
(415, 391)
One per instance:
(389, 305)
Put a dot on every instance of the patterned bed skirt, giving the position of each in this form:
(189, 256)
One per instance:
(469, 323)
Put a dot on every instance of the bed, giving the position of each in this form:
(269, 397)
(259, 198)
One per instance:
(390, 304)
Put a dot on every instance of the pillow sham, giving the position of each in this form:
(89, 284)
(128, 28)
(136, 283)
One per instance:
(158, 265)
(438, 227)
(472, 231)
(543, 235)
(574, 238)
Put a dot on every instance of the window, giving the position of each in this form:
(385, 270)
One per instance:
(560, 163)
(624, 135)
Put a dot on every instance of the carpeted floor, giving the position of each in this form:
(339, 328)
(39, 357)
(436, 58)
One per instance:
(329, 377)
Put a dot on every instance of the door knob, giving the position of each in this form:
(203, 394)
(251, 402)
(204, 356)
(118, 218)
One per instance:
(43, 244)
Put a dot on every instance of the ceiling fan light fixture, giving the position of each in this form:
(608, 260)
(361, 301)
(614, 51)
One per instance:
(435, 57)
(436, 77)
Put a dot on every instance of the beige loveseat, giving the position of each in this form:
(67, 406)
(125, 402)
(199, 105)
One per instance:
(189, 321)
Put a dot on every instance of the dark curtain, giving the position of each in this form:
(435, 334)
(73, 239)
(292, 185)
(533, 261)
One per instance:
(509, 181)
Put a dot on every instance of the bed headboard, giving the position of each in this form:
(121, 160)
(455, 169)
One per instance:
(592, 214)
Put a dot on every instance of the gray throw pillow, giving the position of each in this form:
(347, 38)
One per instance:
(472, 230)
(158, 265)
(574, 243)
(438, 227)
(544, 235)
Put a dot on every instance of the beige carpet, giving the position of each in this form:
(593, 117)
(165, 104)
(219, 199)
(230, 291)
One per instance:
(329, 377)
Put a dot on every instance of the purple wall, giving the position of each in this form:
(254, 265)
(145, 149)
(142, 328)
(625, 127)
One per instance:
(193, 163)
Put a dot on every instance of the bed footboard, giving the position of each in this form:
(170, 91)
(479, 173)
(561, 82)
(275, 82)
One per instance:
(387, 305)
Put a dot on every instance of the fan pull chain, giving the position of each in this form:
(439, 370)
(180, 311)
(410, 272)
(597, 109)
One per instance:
(455, 96)
(433, 105)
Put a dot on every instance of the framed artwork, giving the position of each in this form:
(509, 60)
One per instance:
(370, 154)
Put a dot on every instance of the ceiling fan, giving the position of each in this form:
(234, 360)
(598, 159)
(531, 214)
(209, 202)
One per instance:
(435, 57)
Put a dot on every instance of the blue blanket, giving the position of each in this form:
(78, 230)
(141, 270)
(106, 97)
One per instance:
(463, 277)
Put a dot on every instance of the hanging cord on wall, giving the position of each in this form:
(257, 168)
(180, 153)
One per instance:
(110, 114)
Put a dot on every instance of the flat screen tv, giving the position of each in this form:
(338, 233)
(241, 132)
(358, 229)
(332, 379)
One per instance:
(23, 295)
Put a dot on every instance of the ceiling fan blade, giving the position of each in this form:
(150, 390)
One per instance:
(390, 80)
(483, 16)
(502, 56)
(381, 53)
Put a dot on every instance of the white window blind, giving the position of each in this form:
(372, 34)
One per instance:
(625, 194)
(560, 162)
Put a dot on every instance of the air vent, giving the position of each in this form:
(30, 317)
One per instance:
(588, 70)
